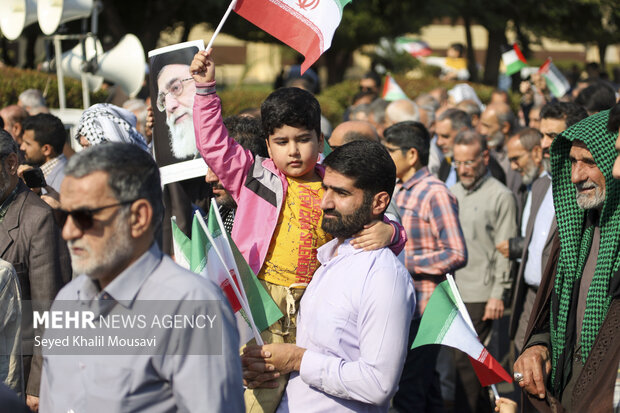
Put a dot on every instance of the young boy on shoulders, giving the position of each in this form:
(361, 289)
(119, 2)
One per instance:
(278, 219)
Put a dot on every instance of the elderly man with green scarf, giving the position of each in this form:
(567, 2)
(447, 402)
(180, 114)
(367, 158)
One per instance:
(572, 350)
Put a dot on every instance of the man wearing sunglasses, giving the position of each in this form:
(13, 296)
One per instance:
(31, 242)
(111, 209)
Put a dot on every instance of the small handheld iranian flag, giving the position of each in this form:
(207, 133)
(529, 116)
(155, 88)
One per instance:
(556, 82)
(391, 90)
(415, 47)
(307, 26)
(444, 323)
(514, 60)
(212, 254)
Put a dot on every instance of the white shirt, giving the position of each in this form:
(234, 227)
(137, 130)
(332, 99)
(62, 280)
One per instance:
(533, 267)
(354, 321)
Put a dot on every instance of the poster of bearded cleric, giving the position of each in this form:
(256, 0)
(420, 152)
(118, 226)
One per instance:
(172, 92)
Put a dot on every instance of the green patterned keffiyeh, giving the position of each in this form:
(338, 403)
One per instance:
(575, 241)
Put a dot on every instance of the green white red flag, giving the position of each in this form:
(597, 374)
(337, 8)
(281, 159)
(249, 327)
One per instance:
(391, 90)
(215, 256)
(307, 26)
(556, 82)
(443, 323)
(514, 60)
(415, 47)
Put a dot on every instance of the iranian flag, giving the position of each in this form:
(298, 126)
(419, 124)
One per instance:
(212, 254)
(307, 26)
(443, 323)
(514, 60)
(391, 90)
(556, 82)
(414, 47)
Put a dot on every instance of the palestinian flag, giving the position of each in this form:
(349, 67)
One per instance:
(307, 26)
(391, 90)
(556, 82)
(414, 47)
(442, 323)
(513, 60)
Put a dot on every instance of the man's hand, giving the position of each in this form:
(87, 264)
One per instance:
(256, 371)
(21, 169)
(150, 122)
(535, 365)
(32, 402)
(281, 357)
(202, 68)
(375, 235)
(503, 248)
(493, 310)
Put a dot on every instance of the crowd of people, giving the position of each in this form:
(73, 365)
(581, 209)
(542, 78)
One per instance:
(348, 229)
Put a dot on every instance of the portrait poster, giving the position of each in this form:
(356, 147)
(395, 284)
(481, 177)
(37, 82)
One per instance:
(172, 93)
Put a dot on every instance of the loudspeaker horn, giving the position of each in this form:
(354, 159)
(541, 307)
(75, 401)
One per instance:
(124, 65)
(71, 62)
(53, 13)
(15, 15)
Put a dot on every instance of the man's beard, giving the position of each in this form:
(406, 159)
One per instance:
(116, 253)
(182, 137)
(547, 164)
(495, 140)
(530, 175)
(346, 226)
(586, 201)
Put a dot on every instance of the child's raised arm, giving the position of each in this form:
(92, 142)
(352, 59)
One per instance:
(202, 68)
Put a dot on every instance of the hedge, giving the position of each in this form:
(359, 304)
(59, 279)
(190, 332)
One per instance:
(334, 99)
(14, 81)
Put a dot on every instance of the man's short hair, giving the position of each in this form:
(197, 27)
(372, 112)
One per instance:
(32, 98)
(597, 97)
(507, 116)
(132, 173)
(403, 110)
(362, 108)
(7, 144)
(48, 130)
(470, 107)
(410, 134)
(374, 76)
(459, 119)
(377, 108)
(368, 163)
(248, 132)
(570, 112)
(614, 118)
(470, 137)
(291, 106)
(529, 138)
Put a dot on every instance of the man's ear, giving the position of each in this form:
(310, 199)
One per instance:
(47, 150)
(537, 154)
(412, 156)
(380, 203)
(141, 217)
(12, 162)
(505, 128)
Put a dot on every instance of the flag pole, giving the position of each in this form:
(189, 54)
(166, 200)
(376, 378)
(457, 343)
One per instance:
(223, 231)
(244, 305)
(463, 310)
(232, 5)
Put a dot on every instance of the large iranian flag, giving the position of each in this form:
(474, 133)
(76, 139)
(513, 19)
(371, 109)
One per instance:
(443, 323)
(307, 26)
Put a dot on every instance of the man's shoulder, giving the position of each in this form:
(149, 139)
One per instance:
(28, 204)
(492, 184)
(384, 260)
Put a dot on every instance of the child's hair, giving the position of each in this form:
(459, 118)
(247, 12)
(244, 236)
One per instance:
(291, 106)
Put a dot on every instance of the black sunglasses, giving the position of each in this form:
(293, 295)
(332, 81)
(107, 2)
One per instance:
(83, 217)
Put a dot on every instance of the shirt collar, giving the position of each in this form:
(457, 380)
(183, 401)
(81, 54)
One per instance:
(325, 253)
(47, 167)
(417, 177)
(125, 287)
(478, 184)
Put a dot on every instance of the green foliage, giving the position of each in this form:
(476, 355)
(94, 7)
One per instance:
(236, 100)
(15, 81)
